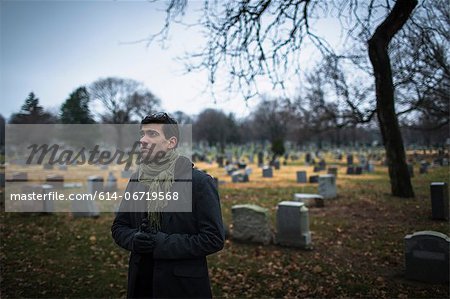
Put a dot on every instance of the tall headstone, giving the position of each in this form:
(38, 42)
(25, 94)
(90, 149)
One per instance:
(220, 161)
(301, 177)
(308, 158)
(349, 159)
(260, 159)
(48, 204)
(327, 186)
(94, 184)
(111, 183)
(2, 179)
(251, 223)
(88, 208)
(439, 200)
(427, 257)
(293, 225)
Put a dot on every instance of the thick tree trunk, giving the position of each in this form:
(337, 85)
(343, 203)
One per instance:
(390, 131)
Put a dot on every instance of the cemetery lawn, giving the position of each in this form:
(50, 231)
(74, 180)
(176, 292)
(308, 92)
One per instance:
(357, 239)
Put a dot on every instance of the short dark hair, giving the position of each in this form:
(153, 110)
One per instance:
(170, 125)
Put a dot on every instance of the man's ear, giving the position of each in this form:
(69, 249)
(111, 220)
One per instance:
(173, 142)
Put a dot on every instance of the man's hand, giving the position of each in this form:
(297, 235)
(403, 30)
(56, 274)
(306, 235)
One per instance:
(143, 242)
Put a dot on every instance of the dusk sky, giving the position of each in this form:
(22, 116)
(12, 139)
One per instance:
(53, 47)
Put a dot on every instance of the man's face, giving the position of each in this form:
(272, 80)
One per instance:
(152, 136)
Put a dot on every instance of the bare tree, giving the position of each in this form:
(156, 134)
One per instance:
(124, 100)
(265, 38)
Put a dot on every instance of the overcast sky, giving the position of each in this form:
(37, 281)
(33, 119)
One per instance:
(53, 47)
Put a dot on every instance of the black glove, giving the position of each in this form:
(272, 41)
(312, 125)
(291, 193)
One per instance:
(143, 242)
(146, 228)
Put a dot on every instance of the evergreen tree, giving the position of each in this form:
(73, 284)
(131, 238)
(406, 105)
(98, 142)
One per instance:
(75, 110)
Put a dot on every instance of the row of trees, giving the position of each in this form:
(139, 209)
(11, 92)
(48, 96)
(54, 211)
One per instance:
(313, 117)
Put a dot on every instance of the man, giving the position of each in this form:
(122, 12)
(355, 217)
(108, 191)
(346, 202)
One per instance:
(168, 249)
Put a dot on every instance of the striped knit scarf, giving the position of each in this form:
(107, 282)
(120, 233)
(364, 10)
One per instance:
(158, 178)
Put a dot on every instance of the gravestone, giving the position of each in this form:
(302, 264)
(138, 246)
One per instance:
(327, 186)
(57, 181)
(267, 172)
(439, 200)
(111, 183)
(241, 165)
(42, 205)
(230, 169)
(423, 168)
(94, 184)
(349, 159)
(308, 158)
(427, 257)
(239, 177)
(2, 179)
(322, 164)
(251, 223)
(220, 161)
(301, 177)
(333, 170)
(47, 204)
(260, 159)
(235, 176)
(293, 225)
(310, 199)
(314, 179)
(88, 208)
(350, 170)
(248, 171)
(19, 177)
(358, 170)
(276, 164)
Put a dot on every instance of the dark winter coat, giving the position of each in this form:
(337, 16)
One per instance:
(177, 268)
